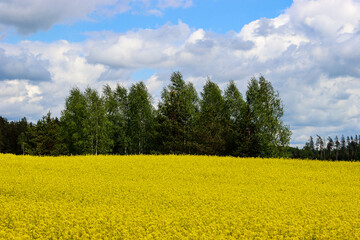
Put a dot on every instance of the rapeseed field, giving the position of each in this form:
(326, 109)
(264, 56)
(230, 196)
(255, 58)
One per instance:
(177, 197)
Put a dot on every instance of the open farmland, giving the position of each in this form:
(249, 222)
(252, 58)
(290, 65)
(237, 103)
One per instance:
(177, 197)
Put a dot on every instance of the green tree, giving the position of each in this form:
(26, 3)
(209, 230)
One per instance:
(337, 147)
(342, 148)
(3, 134)
(73, 122)
(116, 106)
(97, 126)
(22, 141)
(176, 116)
(265, 112)
(329, 147)
(141, 120)
(234, 110)
(320, 145)
(248, 143)
(211, 121)
(43, 138)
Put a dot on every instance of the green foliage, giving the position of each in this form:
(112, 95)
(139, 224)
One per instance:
(265, 113)
(73, 122)
(9, 134)
(141, 120)
(3, 127)
(116, 106)
(176, 116)
(85, 128)
(43, 138)
(97, 126)
(345, 149)
(119, 122)
(234, 110)
(211, 121)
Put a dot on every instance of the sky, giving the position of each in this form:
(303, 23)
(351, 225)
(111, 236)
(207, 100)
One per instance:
(308, 49)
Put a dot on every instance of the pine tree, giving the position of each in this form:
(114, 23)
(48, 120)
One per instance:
(320, 146)
(348, 147)
(3, 129)
(343, 148)
(43, 138)
(337, 147)
(330, 145)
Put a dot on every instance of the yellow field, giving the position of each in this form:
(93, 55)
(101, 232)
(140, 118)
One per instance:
(176, 197)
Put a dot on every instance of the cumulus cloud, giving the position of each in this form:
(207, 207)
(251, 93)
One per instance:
(24, 66)
(30, 16)
(310, 53)
(19, 98)
(24, 95)
(146, 47)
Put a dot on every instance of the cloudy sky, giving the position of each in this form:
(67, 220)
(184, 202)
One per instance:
(308, 49)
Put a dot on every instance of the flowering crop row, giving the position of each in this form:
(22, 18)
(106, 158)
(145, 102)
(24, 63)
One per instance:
(176, 197)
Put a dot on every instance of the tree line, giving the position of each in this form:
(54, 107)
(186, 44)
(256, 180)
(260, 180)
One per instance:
(124, 121)
(344, 149)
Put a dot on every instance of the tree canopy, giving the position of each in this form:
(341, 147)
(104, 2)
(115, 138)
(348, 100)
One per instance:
(124, 121)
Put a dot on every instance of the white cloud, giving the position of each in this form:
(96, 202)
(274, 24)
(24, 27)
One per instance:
(329, 18)
(19, 98)
(23, 66)
(153, 83)
(147, 47)
(31, 16)
(310, 53)
(65, 67)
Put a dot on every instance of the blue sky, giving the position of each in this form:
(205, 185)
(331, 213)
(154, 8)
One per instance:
(308, 49)
(220, 16)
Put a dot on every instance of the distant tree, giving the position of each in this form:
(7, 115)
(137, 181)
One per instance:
(121, 138)
(320, 146)
(311, 144)
(3, 134)
(249, 144)
(9, 134)
(116, 106)
(141, 120)
(43, 138)
(22, 141)
(176, 116)
(348, 147)
(211, 120)
(343, 148)
(266, 111)
(337, 147)
(329, 147)
(309, 149)
(97, 126)
(234, 110)
(357, 148)
(352, 148)
(73, 122)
